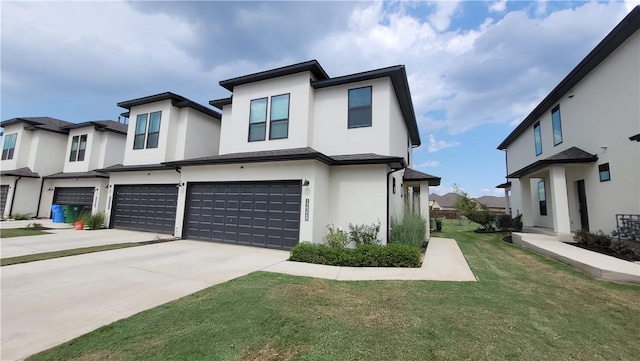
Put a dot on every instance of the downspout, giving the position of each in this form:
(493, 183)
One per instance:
(40, 198)
(388, 195)
(15, 186)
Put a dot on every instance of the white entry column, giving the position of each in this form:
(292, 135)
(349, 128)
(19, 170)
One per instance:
(559, 200)
(525, 201)
(424, 205)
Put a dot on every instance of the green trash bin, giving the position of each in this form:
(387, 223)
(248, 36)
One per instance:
(74, 213)
(66, 210)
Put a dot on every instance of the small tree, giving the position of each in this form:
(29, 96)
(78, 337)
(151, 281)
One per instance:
(464, 205)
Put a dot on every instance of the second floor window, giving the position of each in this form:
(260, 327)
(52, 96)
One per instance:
(537, 137)
(360, 107)
(278, 118)
(9, 146)
(147, 136)
(78, 148)
(557, 125)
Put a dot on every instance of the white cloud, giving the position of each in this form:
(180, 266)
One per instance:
(498, 6)
(443, 189)
(436, 145)
(441, 18)
(427, 164)
(496, 192)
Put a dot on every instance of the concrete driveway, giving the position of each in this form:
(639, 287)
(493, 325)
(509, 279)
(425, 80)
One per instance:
(49, 302)
(61, 239)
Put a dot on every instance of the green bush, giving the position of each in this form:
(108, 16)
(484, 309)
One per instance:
(21, 216)
(364, 234)
(483, 217)
(368, 255)
(336, 237)
(598, 239)
(503, 221)
(411, 230)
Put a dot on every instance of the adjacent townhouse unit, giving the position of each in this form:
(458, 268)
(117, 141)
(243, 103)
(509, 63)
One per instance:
(293, 151)
(47, 161)
(574, 161)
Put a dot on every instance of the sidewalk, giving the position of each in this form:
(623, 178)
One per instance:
(443, 261)
(47, 223)
(598, 265)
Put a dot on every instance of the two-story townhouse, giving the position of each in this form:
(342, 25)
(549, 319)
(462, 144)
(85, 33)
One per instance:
(300, 150)
(31, 148)
(574, 161)
(143, 191)
(91, 146)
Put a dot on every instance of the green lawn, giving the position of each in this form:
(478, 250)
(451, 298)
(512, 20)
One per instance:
(20, 232)
(524, 307)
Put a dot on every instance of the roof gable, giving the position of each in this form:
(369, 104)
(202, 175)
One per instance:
(176, 100)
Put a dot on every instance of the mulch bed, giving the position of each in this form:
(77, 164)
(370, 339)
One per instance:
(608, 252)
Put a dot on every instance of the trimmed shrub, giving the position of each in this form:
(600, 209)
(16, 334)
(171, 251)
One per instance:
(411, 230)
(503, 221)
(598, 239)
(21, 216)
(95, 221)
(393, 255)
(483, 217)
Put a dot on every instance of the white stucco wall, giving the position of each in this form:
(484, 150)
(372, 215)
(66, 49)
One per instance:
(331, 111)
(112, 149)
(599, 118)
(398, 132)
(235, 122)
(21, 152)
(202, 136)
(24, 195)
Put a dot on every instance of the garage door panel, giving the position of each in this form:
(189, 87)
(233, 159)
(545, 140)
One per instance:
(149, 208)
(74, 196)
(259, 214)
(4, 191)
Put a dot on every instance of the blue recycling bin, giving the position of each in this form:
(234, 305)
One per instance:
(57, 213)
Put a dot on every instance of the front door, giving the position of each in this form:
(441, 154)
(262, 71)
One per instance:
(582, 205)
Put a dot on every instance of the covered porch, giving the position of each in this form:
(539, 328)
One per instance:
(416, 192)
(552, 193)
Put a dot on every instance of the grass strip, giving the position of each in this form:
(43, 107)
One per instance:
(20, 232)
(71, 252)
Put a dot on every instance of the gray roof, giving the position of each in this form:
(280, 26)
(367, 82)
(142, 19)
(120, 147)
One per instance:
(293, 154)
(492, 201)
(414, 175)
(132, 168)
(39, 123)
(25, 172)
(89, 174)
(571, 155)
(627, 27)
(635, 137)
(446, 200)
(312, 65)
(177, 100)
(101, 125)
(219, 103)
(504, 185)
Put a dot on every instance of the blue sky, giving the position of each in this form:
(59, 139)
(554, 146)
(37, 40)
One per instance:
(476, 68)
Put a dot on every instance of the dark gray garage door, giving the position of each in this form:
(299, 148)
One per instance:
(4, 190)
(74, 196)
(256, 214)
(150, 208)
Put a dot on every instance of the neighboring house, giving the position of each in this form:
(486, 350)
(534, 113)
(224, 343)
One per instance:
(90, 146)
(445, 202)
(434, 205)
(574, 162)
(495, 204)
(294, 151)
(31, 148)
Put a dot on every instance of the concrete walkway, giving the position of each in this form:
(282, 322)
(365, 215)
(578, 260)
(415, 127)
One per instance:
(443, 261)
(48, 223)
(598, 265)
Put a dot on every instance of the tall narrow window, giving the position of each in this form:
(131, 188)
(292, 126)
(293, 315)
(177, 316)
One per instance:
(557, 125)
(154, 130)
(360, 107)
(141, 130)
(9, 146)
(543, 198)
(605, 174)
(82, 147)
(74, 149)
(279, 126)
(78, 147)
(537, 136)
(258, 119)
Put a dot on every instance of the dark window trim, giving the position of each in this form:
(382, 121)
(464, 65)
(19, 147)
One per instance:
(9, 140)
(149, 133)
(75, 143)
(266, 112)
(370, 106)
(82, 149)
(277, 121)
(535, 143)
(543, 202)
(553, 125)
(143, 134)
(604, 168)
